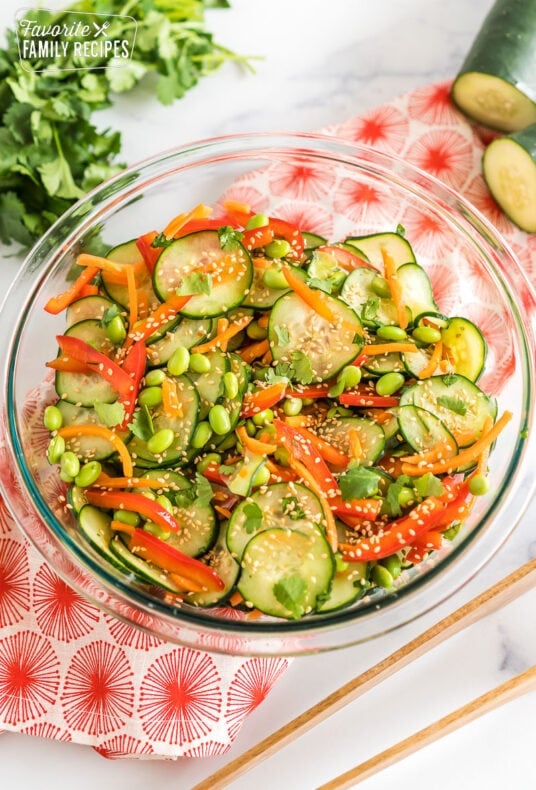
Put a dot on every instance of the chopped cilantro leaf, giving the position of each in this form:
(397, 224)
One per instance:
(110, 413)
(400, 230)
(109, 314)
(369, 311)
(449, 379)
(428, 485)
(291, 593)
(291, 507)
(162, 241)
(196, 283)
(301, 365)
(321, 285)
(453, 404)
(253, 520)
(359, 483)
(229, 238)
(142, 424)
(283, 336)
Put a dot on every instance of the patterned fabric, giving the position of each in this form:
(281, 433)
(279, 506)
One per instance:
(70, 672)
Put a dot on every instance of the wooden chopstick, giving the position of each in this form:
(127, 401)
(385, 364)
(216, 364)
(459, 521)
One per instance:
(490, 600)
(506, 692)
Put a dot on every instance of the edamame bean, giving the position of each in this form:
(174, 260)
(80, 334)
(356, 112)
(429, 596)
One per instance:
(426, 334)
(263, 417)
(155, 378)
(251, 428)
(393, 565)
(277, 248)
(478, 485)
(338, 411)
(219, 420)
(406, 496)
(395, 333)
(148, 494)
(156, 530)
(381, 577)
(164, 502)
(65, 477)
(292, 406)
(160, 441)
(56, 448)
(380, 286)
(116, 331)
(350, 376)
(199, 363)
(69, 464)
(257, 221)
(230, 384)
(274, 278)
(227, 443)
(179, 361)
(208, 460)
(150, 396)
(202, 434)
(262, 476)
(88, 474)
(340, 564)
(127, 517)
(282, 456)
(308, 401)
(256, 332)
(389, 383)
(52, 418)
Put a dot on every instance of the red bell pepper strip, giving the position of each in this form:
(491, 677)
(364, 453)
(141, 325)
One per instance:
(126, 500)
(263, 398)
(257, 237)
(212, 473)
(56, 304)
(67, 364)
(284, 230)
(315, 391)
(134, 365)
(195, 225)
(363, 399)
(346, 259)
(151, 548)
(330, 454)
(79, 350)
(303, 450)
(148, 252)
(360, 508)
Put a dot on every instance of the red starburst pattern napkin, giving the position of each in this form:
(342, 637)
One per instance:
(70, 672)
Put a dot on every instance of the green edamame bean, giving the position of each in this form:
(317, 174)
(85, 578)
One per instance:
(292, 406)
(160, 441)
(389, 383)
(393, 565)
(282, 456)
(69, 463)
(340, 564)
(406, 496)
(199, 364)
(127, 517)
(308, 401)
(263, 417)
(155, 378)
(202, 435)
(338, 411)
(230, 384)
(251, 428)
(219, 420)
(478, 485)
(257, 221)
(150, 396)
(56, 448)
(88, 474)
(208, 460)
(179, 361)
(426, 334)
(116, 331)
(65, 477)
(256, 332)
(156, 530)
(380, 286)
(52, 418)
(381, 577)
(262, 476)
(350, 376)
(394, 333)
(274, 278)
(277, 248)
(164, 502)
(148, 494)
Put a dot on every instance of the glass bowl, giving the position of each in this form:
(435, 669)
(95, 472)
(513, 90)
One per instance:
(334, 189)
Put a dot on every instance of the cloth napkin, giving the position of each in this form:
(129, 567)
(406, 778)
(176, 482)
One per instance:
(70, 672)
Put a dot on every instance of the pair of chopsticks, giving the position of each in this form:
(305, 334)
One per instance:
(492, 599)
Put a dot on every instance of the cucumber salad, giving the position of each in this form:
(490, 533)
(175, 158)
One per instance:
(249, 415)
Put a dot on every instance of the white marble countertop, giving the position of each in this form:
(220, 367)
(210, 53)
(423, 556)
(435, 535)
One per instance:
(324, 62)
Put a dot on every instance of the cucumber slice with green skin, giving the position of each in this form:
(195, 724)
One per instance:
(145, 571)
(199, 527)
(231, 273)
(423, 431)
(328, 346)
(87, 307)
(188, 332)
(285, 572)
(323, 266)
(416, 290)
(182, 427)
(385, 363)
(460, 405)
(286, 505)
(372, 309)
(466, 346)
(242, 371)
(94, 525)
(87, 448)
(209, 385)
(221, 561)
(371, 246)
(371, 436)
(242, 481)
(312, 240)
(260, 296)
(348, 586)
(129, 253)
(416, 361)
(76, 498)
(85, 389)
(496, 84)
(509, 168)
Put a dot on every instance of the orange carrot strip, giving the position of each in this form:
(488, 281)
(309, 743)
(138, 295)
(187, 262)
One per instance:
(56, 304)
(178, 222)
(255, 445)
(254, 350)
(394, 286)
(223, 511)
(331, 527)
(388, 348)
(72, 431)
(188, 585)
(236, 598)
(442, 450)
(113, 267)
(462, 458)
(222, 338)
(170, 400)
(313, 298)
(104, 481)
(299, 420)
(162, 315)
(89, 290)
(430, 367)
(67, 364)
(328, 452)
(280, 473)
(132, 297)
(356, 449)
(264, 320)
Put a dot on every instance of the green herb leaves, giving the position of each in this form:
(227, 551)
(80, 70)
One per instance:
(292, 593)
(229, 238)
(453, 404)
(359, 483)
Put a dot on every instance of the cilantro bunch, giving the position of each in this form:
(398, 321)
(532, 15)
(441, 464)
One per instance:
(51, 152)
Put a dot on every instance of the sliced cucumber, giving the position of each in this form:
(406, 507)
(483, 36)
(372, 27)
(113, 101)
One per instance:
(466, 346)
(416, 361)
(260, 296)
(348, 586)
(145, 571)
(209, 385)
(85, 389)
(372, 309)
(385, 363)
(285, 572)
(371, 436)
(188, 332)
(76, 498)
(87, 307)
(129, 253)
(286, 505)
(416, 290)
(221, 561)
(423, 431)
(509, 167)
(460, 405)
(312, 240)
(242, 480)
(295, 327)
(371, 246)
(230, 273)
(323, 266)
(496, 84)
(94, 525)
(86, 447)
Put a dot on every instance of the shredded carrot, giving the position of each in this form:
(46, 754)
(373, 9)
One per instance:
(143, 302)
(430, 368)
(264, 320)
(103, 481)
(280, 474)
(254, 350)
(329, 453)
(223, 511)
(267, 358)
(299, 420)
(178, 222)
(162, 315)
(189, 585)
(67, 364)
(222, 338)
(331, 527)
(356, 449)
(256, 446)
(113, 267)
(100, 431)
(89, 290)
(462, 458)
(56, 304)
(388, 348)
(132, 297)
(120, 526)
(482, 465)
(236, 598)
(315, 299)
(170, 400)
(394, 286)
(441, 450)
